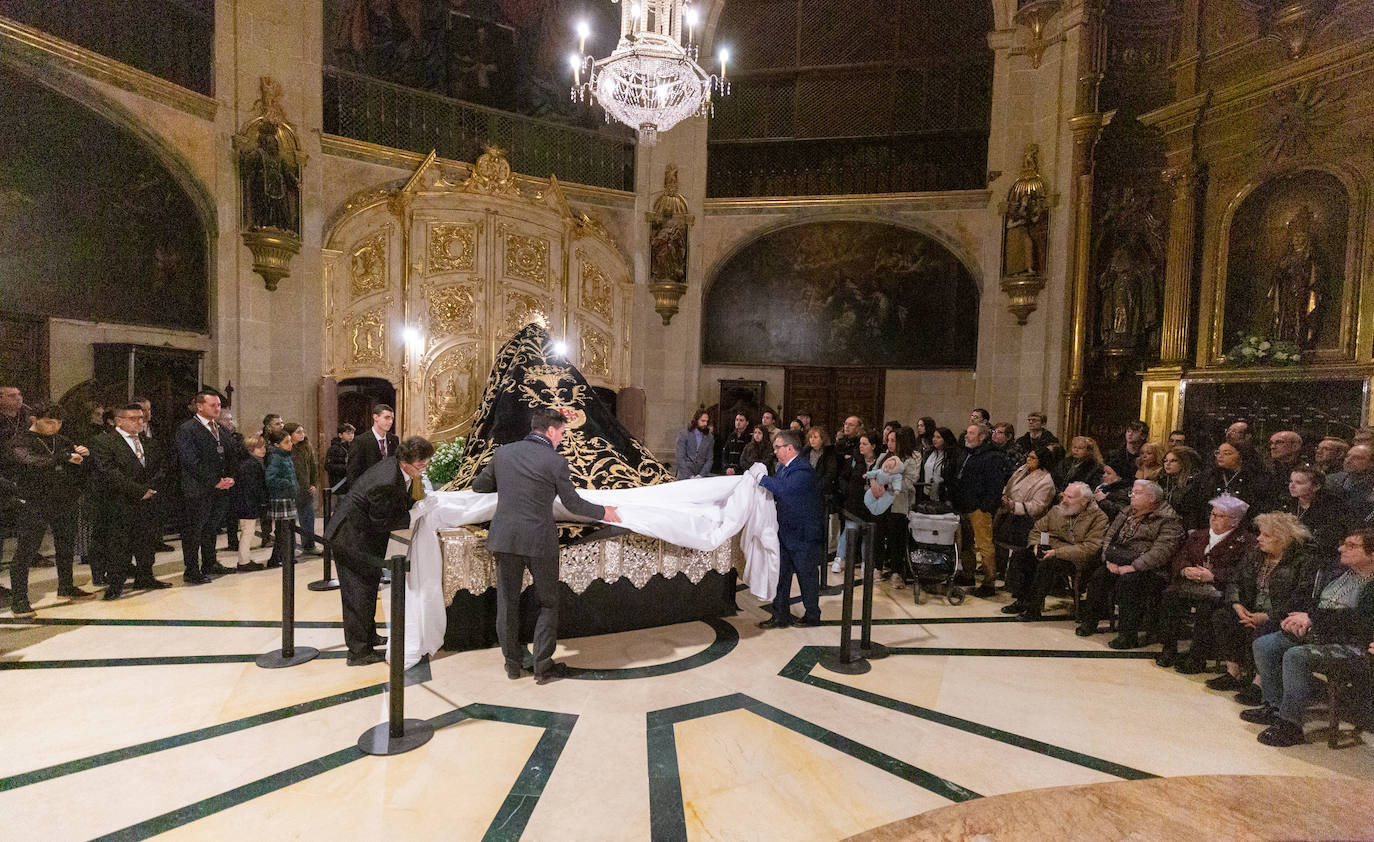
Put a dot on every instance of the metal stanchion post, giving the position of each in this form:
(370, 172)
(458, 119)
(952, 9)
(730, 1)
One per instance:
(827, 589)
(398, 734)
(327, 582)
(872, 651)
(847, 658)
(289, 655)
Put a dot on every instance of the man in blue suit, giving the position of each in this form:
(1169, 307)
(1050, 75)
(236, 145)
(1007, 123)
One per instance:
(801, 532)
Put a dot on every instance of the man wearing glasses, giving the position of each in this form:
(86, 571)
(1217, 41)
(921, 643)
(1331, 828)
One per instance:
(801, 532)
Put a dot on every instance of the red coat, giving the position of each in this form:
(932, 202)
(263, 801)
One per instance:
(1224, 558)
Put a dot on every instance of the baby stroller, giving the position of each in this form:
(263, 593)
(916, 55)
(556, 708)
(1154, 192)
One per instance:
(935, 554)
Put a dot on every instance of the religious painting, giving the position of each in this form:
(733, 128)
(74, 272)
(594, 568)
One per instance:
(842, 294)
(93, 226)
(1285, 262)
(506, 54)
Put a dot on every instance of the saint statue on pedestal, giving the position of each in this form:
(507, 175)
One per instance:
(1295, 293)
(1027, 221)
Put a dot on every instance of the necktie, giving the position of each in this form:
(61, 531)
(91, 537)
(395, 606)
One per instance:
(417, 488)
(381, 443)
(138, 451)
(214, 430)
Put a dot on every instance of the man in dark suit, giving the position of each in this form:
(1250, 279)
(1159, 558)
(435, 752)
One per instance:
(375, 505)
(373, 446)
(127, 472)
(205, 454)
(529, 474)
(801, 532)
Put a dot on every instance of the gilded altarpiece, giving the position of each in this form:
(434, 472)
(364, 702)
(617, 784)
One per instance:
(425, 282)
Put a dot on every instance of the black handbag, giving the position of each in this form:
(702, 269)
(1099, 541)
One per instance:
(1011, 529)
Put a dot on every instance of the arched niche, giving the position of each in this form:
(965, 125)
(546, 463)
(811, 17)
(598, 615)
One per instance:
(426, 280)
(1294, 229)
(94, 225)
(842, 293)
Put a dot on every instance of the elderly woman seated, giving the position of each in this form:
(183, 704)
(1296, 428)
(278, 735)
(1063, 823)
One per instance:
(1136, 553)
(1341, 614)
(1069, 535)
(1265, 587)
(1202, 570)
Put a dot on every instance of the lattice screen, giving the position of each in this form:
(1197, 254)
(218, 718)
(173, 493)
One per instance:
(851, 68)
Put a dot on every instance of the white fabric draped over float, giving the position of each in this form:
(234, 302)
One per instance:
(700, 514)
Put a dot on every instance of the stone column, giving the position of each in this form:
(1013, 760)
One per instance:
(1178, 271)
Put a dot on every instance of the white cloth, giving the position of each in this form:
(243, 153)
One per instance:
(1214, 538)
(700, 514)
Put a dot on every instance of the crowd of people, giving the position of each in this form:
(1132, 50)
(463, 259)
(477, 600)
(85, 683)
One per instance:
(107, 491)
(1264, 561)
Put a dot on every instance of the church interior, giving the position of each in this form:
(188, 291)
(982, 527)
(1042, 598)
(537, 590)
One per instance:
(1148, 225)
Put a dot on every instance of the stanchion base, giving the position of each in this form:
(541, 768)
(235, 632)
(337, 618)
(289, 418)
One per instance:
(832, 590)
(873, 651)
(830, 659)
(378, 739)
(324, 585)
(275, 660)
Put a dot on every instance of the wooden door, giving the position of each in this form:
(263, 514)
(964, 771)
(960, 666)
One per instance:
(24, 356)
(833, 394)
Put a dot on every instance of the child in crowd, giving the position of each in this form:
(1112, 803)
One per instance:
(248, 498)
(281, 494)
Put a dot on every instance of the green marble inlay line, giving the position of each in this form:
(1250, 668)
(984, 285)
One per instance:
(415, 675)
(666, 813)
(227, 624)
(508, 824)
(727, 638)
(928, 621)
(151, 661)
(800, 669)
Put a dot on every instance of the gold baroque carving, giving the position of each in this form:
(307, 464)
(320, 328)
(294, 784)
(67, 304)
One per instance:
(366, 332)
(452, 309)
(452, 247)
(522, 309)
(369, 265)
(492, 175)
(527, 258)
(595, 356)
(452, 389)
(596, 288)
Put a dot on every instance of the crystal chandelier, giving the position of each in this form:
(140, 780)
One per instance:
(651, 80)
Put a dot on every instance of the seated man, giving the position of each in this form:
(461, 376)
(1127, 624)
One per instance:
(1340, 616)
(1202, 570)
(1074, 531)
(1136, 554)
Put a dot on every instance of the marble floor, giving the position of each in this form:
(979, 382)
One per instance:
(146, 717)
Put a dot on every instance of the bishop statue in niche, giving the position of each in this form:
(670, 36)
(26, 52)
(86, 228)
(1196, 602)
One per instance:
(270, 164)
(1297, 287)
(1027, 222)
(668, 225)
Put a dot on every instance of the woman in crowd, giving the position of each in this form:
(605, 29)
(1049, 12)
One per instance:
(1027, 495)
(925, 436)
(1150, 463)
(1232, 475)
(759, 449)
(941, 465)
(1082, 464)
(853, 509)
(1266, 586)
(308, 481)
(1113, 493)
(1323, 513)
(1181, 465)
(1202, 569)
(282, 492)
(892, 524)
(821, 454)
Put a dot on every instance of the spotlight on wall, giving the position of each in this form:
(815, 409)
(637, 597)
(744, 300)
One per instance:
(560, 348)
(411, 335)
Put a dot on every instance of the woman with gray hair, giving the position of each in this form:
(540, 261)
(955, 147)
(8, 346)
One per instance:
(1269, 583)
(1135, 554)
(1202, 569)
